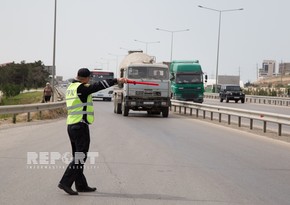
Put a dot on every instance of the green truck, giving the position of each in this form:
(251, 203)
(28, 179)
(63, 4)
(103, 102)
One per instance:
(187, 80)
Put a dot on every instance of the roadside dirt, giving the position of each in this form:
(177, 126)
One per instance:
(34, 117)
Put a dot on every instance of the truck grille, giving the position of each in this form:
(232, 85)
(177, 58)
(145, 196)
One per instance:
(188, 95)
(148, 93)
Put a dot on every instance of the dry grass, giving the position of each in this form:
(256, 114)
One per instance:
(44, 115)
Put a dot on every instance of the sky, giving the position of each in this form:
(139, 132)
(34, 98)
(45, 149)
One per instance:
(98, 33)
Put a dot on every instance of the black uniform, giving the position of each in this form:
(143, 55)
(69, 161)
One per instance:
(79, 135)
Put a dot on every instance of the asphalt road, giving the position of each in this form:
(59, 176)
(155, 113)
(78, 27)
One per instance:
(148, 160)
(250, 106)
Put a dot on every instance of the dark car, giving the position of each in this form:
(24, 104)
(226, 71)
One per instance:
(231, 92)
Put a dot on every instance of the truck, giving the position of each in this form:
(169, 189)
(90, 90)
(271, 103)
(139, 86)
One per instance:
(140, 67)
(187, 80)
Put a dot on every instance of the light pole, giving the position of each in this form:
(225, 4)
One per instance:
(219, 32)
(146, 43)
(172, 32)
(126, 49)
(101, 64)
(117, 61)
(107, 62)
(54, 42)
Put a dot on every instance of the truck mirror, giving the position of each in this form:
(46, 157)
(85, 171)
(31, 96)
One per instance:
(205, 77)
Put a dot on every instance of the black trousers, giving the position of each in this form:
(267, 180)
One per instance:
(47, 98)
(79, 135)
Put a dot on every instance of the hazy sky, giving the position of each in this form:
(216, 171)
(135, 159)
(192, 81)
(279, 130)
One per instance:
(87, 30)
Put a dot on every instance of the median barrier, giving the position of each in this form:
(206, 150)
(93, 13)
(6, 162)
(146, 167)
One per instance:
(264, 117)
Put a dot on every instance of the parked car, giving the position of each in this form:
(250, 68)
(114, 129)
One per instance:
(231, 92)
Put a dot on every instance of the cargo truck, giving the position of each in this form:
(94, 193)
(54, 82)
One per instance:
(141, 67)
(187, 80)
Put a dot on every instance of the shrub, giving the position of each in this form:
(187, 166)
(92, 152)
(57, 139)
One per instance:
(10, 90)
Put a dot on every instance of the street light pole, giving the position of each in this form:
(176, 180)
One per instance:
(219, 33)
(54, 42)
(146, 43)
(126, 49)
(172, 32)
(117, 61)
(101, 64)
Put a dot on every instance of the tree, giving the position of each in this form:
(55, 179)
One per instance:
(15, 78)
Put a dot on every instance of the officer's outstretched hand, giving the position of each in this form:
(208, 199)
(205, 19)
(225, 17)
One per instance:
(122, 80)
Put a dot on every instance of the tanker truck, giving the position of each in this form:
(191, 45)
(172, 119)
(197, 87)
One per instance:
(140, 67)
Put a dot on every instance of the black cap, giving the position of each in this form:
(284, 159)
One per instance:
(84, 72)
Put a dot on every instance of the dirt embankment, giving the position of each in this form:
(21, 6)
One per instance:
(36, 116)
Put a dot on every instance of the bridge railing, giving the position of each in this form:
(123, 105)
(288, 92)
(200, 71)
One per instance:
(186, 107)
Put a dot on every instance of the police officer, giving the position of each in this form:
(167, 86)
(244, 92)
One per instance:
(80, 114)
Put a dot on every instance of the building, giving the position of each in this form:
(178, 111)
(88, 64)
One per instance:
(284, 69)
(228, 79)
(268, 69)
(48, 69)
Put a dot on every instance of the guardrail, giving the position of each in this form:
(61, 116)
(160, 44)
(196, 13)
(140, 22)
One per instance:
(282, 101)
(17, 109)
(264, 117)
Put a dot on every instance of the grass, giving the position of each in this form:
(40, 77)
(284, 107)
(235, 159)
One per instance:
(29, 98)
(23, 98)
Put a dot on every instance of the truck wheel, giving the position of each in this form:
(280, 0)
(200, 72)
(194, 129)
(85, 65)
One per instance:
(125, 110)
(119, 108)
(243, 100)
(221, 100)
(227, 100)
(165, 112)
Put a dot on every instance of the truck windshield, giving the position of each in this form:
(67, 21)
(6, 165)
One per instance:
(148, 73)
(188, 78)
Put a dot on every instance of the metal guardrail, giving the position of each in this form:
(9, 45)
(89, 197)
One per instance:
(264, 117)
(28, 108)
(17, 109)
(282, 101)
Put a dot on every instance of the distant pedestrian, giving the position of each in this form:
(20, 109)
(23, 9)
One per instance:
(47, 92)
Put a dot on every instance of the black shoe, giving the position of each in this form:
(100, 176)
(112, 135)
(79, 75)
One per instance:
(87, 189)
(67, 189)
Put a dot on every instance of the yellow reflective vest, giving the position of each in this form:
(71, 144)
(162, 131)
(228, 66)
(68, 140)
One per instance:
(76, 109)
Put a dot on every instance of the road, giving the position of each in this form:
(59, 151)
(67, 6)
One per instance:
(148, 160)
(250, 106)
(258, 124)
